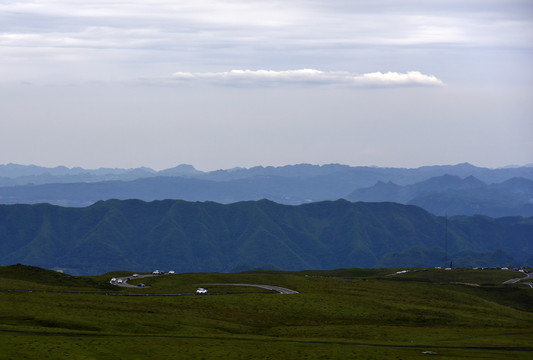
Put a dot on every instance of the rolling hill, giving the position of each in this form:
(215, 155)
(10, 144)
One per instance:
(339, 314)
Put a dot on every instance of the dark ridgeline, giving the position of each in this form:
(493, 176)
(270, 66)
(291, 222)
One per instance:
(208, 236)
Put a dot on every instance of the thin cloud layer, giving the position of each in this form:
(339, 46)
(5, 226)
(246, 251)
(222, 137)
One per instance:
(309, 76)
(214, 34)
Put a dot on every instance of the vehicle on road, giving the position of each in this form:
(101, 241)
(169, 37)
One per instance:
(156, 272)
(119, 281)
(141, 285)
(135, 275)
(201, 291)
(171, 272)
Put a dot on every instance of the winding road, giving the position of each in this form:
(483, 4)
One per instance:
(127, 278)
(279, 289)
(268, 287)
(515, 280)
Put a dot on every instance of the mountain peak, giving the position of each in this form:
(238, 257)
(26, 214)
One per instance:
(180, 170)
(472, 181)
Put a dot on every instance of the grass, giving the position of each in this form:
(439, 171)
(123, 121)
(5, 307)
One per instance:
(340, 314)
(464, 276)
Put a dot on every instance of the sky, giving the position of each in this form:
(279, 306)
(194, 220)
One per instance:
(242, 83)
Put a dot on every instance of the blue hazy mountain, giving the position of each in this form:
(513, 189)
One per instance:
(292, 184)
(453, 195)
(361, 176)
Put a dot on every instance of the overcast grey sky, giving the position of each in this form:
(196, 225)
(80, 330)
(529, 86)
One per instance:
(219, 84)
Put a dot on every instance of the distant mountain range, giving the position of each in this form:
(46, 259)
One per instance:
(194, 236)
(456, 190)
(358, 176)
(452, 195)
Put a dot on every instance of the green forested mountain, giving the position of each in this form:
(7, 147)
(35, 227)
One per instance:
(206, 236)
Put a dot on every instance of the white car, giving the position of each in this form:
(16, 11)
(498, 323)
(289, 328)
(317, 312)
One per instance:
(171, 272)
(119, 281)
(135, 275)
(201, 291)
(156, 272)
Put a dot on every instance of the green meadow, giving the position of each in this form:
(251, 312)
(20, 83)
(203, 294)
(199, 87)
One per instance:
(338, 314)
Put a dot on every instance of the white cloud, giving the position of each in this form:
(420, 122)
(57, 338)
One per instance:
(411, 78)
(310, 76)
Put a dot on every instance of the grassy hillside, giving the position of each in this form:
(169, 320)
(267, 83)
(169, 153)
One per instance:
(34, 278)
(350, 313)
(207, 237)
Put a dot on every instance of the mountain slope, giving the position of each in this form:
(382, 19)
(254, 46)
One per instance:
(453, 195)
(208, 236)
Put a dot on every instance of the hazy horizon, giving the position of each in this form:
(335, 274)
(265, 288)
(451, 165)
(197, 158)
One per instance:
(246, 83)
(261, 165)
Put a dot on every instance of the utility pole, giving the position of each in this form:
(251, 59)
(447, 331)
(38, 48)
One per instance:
(446, 241)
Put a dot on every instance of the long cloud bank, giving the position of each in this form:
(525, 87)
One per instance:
(309, 76)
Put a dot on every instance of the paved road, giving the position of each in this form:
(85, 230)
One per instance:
(127, 278)
(515, 280)
(268, 287)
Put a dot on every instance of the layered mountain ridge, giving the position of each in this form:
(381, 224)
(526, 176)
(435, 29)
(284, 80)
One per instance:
(454, 190)
(453, 195)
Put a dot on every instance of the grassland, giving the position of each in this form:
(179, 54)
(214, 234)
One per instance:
(340, 314)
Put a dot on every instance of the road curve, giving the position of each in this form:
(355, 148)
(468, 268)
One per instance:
(125, 280)
(279, 289)
(515, 280)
